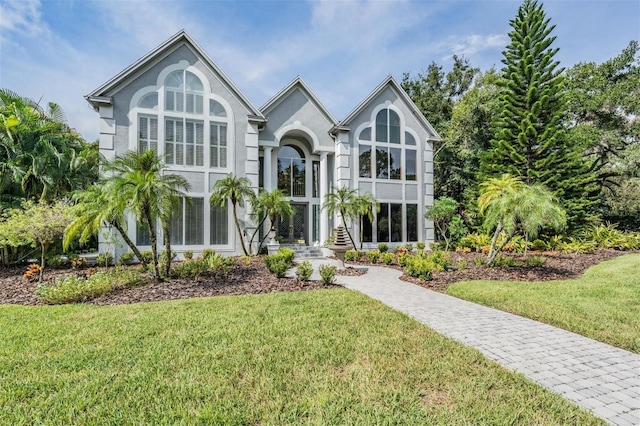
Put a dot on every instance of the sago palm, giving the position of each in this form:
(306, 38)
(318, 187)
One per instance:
(342, 200)
(139, 178)
(238, 191)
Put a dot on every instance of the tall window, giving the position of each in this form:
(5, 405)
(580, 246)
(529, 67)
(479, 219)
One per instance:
(147, 133)
(218, 145)
(187, 222)
(291, 171)
(387, 156)
(183, 93)
(219, 225)
(392, 221)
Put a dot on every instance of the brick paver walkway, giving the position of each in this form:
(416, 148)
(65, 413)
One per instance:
(599, 377)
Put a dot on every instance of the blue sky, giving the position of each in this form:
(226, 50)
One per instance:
(60, 50)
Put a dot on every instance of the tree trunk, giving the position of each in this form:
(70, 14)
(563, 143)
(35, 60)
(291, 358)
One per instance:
(264, 219)
(154, 246)
(361, 226)
(344, 222)
(44, 250)
(129, 243)
(167, 248)
(235, 218)
(492, 248)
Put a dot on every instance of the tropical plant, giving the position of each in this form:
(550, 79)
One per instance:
(41, 157)
(509, 205)
(343, 201)
(150, 195)
(365, 205)
(238, 191)
(270, 205)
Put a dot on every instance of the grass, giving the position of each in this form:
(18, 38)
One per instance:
(604, 304)
(322, 357)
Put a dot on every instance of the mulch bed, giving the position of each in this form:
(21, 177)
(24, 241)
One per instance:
(252, 277)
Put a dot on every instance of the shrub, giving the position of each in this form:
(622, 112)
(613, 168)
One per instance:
(287, 254)
(462, 265)
(126, 258)
(475, 241)
(351, 256)
(190, 270)
(188, 254)
(219, 264)
(71, 288)
(420, 268)
(387, 258)
(207, 253)
(147, 256)
(399, 250)
(538, 245)
(383, 248)
(163, 256)
(278, 266)
(79, 262)
(505, 262)
(373, 256)
(32, 273)
(409, 246)
(327, 274)
(304, 271)
(440, 259)
(421, 246)
(403, 259)
(534, 261)
(104, 259)
(478, 261)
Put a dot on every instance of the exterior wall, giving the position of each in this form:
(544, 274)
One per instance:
(294, 119)
(420, 191)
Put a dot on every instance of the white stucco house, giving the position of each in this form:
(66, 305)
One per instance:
(178, 101)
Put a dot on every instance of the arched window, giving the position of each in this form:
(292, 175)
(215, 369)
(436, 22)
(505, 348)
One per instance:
(291, 171)
(385, 157)
(387, 126)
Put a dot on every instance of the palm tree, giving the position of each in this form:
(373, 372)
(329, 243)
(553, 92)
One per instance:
(271, 204)
(94, 208)
(137, 177)
(507, 204)
(237, 190)
(365, 205)
(342, 200)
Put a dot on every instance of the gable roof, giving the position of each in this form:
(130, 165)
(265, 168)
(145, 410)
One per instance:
(101, 94)
(395, 86)
(298, 83)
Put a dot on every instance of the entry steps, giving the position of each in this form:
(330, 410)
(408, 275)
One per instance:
(305, 252)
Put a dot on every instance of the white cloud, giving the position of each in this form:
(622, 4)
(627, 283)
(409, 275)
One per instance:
(21, 16)
(476, 43)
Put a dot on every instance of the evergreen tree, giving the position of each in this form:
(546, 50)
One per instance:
(530, 138)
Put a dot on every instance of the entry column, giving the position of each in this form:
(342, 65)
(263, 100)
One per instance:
(267, 168)
(324, 184)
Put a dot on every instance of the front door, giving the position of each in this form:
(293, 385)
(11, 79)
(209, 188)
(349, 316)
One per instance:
(294, 229)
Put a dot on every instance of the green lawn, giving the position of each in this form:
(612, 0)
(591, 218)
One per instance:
(604, 304)
(321, 357)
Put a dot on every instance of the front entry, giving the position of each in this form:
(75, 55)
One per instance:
(294, 229)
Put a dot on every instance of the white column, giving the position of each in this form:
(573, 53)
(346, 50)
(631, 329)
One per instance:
(267, 168)
(324, 184)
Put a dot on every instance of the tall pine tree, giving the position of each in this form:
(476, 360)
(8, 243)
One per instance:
(530, 138)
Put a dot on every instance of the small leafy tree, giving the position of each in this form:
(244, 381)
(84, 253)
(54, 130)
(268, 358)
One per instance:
(39, 224)
(237, 190)
(446, 219)
(509, 205)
